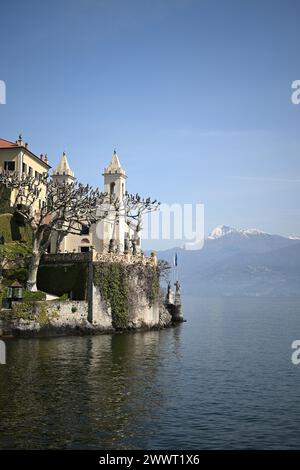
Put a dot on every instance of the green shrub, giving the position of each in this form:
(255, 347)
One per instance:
(33, 296)
(17, 274)
(23, 310)
(13, 229)
(5, 199)
(64, 297)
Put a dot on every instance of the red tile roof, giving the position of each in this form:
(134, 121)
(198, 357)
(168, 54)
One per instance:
(7, 144)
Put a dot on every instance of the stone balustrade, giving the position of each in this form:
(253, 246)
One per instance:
(56, 258)
(124, 258)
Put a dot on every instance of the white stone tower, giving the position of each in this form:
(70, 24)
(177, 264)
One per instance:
(115, 177)
(63, 172)
(114, 183)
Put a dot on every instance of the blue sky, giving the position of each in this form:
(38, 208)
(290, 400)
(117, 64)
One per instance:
(195, 96)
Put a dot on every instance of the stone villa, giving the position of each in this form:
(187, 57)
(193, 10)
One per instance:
(16, 156)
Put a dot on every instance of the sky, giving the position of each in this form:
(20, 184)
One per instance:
(195, 96)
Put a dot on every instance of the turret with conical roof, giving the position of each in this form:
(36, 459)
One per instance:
(114, 177)
(114, 166)
(63, 172)
(114, 183)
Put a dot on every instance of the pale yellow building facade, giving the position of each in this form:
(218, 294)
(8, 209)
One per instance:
(16, 157)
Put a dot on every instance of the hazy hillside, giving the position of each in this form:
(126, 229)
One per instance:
(234, 262)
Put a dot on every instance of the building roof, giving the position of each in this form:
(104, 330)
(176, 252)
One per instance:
(15, 284)
(63, 168)
(7, 144)
(114, 166)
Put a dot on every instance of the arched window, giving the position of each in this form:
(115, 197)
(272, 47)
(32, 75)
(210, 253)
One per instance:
(112, 188)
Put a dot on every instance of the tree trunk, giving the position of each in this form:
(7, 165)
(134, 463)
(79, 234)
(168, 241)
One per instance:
(59, 239)
(34, 265)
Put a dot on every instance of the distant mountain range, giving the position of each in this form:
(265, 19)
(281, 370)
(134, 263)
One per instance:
(237, 262)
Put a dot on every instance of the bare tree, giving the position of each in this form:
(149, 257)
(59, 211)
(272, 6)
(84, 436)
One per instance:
(132, 208)
(135, 207)
(51, 207)
(164, 269)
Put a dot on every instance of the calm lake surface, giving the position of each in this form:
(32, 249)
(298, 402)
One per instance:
(224, 379)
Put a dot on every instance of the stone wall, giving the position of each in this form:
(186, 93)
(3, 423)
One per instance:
(45, 317)
(55, 317)
(120, 297)
(141, 314)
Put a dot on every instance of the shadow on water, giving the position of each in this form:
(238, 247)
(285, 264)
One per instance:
(94, 392)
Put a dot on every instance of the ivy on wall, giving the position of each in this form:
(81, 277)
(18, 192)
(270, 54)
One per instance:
(5, 200)
(13, 229)
(120, 284)
(112, 280)
(28, 311)
(15, 245)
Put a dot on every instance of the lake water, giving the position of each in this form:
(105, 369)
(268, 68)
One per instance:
(224, 379)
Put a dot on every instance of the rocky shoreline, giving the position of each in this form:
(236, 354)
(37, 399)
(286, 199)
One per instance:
(54, 325)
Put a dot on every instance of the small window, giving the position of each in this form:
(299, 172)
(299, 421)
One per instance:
(30, 170)
(84, 249)
(112, 188)
(9, 166)
(85, 230)
(24, 168)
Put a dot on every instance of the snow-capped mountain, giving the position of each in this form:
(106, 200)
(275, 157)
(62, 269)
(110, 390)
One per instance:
(240, 262)
(225, 230)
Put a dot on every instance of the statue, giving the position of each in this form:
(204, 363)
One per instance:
(112, 245)
(133, 244)
(126, 246)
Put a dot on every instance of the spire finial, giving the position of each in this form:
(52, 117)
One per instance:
(114, 166)
(20, 139)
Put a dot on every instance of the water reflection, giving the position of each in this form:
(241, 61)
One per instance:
(98, 391)
(224, 379)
